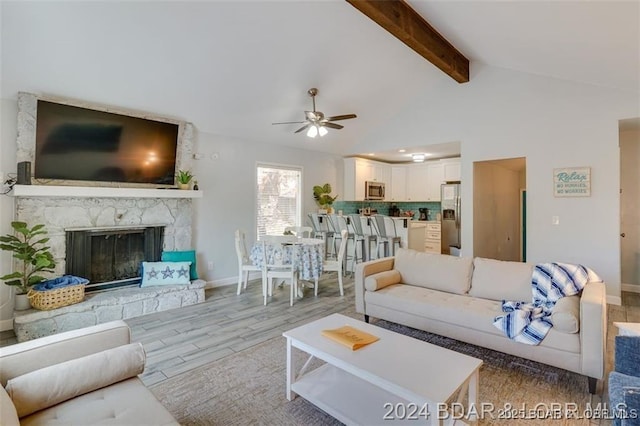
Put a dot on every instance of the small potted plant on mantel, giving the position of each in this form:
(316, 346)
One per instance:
(28, 247)
(184, 178)
(322, 195)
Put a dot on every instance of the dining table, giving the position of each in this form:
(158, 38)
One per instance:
(306, 254)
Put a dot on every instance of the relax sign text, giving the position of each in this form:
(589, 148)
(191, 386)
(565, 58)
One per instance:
(572, 182)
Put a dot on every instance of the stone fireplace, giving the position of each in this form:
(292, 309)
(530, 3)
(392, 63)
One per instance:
(111, 229)
(118, 227)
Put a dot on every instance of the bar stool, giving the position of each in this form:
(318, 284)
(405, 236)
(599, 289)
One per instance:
(338, 224)
(355, 222)
(321, 230)
(386, 235)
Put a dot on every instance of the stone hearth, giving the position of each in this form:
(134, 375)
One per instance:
(106, 306)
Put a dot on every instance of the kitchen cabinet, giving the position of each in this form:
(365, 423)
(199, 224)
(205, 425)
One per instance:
(435, 178)
(412, 233)
(398, 190)
(416, 182)
(433, 236)
(357, 171)
(404, 182)
(417, 235)
(380, 172)
(452, 170)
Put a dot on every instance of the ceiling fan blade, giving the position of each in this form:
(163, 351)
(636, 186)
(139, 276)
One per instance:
(290, 122)
(305, 127)
(332, 125)
(342, 117)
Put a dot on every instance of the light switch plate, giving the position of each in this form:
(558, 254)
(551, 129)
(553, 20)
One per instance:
(555, 220)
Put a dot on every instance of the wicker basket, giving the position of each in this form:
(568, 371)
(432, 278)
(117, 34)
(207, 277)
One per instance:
(56, 298)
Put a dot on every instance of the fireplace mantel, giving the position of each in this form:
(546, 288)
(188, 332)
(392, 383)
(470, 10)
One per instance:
(100, 192)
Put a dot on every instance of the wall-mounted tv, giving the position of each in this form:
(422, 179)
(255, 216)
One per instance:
(73, 143)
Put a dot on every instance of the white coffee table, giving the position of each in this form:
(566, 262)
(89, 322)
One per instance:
(383, 382)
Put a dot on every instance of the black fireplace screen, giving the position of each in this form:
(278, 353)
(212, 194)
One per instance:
(112, 258)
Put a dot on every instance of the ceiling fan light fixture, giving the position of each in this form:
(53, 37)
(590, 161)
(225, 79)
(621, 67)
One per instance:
(322, 131)
(417, 158)
(312, 132)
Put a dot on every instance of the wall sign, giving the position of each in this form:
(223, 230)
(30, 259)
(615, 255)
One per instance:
(572, 182)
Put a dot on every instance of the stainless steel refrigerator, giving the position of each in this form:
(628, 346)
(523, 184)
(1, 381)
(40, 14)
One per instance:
(450, 216)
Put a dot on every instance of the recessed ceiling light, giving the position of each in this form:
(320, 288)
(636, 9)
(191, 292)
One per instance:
(372, 154)
(402, 150)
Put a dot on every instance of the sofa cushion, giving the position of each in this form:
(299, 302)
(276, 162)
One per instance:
(8, 414)
(51, 385)
(501, 280)
(472, 313)
(124, 403)
(565, 315)
(381, 280)
(436, 271)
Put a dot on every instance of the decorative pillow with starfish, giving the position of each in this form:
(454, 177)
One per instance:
(165, 273)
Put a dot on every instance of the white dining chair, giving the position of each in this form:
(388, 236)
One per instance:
(299, 231)
(244, 263)
(275, 268)
(336, 265)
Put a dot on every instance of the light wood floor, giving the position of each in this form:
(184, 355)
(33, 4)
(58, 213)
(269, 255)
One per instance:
(183, 339)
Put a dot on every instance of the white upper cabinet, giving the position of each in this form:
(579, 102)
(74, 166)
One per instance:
(404, 182)
(417, 182)
(452, 170)
(398, 190)
(435, 178)
(357, 171)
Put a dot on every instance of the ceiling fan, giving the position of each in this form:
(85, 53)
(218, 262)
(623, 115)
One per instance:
(316, 122)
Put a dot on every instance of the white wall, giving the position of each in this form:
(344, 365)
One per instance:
(229, 185)
(7, 164)
(553, 123)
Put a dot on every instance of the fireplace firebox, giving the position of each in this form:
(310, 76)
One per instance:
(111, 257)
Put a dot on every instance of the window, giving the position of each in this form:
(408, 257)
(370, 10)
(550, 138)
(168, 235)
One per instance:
(279, 200)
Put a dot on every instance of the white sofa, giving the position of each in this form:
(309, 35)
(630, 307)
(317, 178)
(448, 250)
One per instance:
(459, 297)
(83, 377)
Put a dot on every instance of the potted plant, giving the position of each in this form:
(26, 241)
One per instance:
(184, 178)
(28, 247)
(322, 195)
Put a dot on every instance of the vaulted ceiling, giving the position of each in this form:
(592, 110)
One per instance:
(233, 68)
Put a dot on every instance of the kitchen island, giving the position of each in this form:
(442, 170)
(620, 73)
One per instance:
(420, 235)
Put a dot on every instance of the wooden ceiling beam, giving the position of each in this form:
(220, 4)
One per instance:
(406, 24)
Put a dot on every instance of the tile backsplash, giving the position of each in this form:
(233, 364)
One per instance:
(349, 207)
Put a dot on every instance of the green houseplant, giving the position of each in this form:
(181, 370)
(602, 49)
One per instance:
(184, 178)
(28, 247)
(322, 195)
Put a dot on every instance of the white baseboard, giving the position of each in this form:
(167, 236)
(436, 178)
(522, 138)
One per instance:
(231, 280)
(631, 288)
(614, 300)
(6, 324)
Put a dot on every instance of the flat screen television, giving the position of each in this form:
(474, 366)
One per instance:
(82, 144)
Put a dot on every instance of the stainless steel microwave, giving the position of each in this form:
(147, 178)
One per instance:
(373, 190)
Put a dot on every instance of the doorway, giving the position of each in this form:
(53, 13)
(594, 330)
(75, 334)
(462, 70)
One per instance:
(499, 220)
(629, 131)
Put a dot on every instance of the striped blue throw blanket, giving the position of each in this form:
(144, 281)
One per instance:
(529, 322)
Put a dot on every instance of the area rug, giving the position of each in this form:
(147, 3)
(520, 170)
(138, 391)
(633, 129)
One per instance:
(248, 388)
